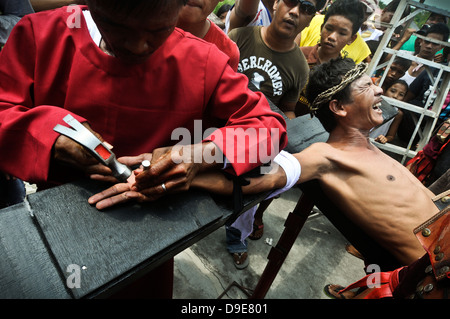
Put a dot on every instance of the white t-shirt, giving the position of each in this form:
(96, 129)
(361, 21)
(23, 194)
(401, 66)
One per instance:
(408, 78)
(92, 27)
(262, 17)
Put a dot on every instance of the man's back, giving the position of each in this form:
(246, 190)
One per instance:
(375, 191)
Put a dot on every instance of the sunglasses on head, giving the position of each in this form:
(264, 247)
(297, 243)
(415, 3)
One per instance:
(305, 6)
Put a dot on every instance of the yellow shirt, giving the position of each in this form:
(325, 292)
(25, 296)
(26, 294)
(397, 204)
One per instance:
(310, 36)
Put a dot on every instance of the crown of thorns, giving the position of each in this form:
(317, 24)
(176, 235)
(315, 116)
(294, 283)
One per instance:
(348, 78)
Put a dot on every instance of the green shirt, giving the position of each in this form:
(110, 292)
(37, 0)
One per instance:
(409, 45)
(279, 75)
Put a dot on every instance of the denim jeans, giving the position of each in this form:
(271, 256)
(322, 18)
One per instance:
(234, 243)
(12, 191)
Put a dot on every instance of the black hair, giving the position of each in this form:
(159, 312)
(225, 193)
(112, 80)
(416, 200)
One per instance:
(405, 63)
(224, 8)
(439, 28)
(402, 82)
(373, 46)
(434, 14)
(392, 7)
(351, 9)
(324, 77)
(320, 4)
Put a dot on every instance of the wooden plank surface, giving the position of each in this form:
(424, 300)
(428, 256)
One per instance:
(304, 131)
(108, 244)
(26, 269)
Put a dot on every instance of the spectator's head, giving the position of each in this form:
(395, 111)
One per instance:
(428, 49)
(133, 30)
(436, 18)
(388, 12)
(339, 90)
(369, 7)
(196, 12)
(338, 28)
(351, 10)
(292, 16)
(223, 11)
(397, 90)
(398, 68)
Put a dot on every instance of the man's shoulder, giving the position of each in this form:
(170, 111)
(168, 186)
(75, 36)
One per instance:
(71, 15)
(311, 35)
(224, 43)
(308, 50)
(217, 36)
(183, 38)
(244, 35)
(358, 50)
(54, 25)
(244, 31)
(318, 149)
(182, 42)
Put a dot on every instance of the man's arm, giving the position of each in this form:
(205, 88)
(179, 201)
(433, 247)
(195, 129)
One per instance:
(400, 43)
(243, 13)
(213, 181)
(216, 182)
(26, 131)
(284, 173)
(307, 165)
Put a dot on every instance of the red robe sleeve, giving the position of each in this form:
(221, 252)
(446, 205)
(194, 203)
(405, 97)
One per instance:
(26, 130)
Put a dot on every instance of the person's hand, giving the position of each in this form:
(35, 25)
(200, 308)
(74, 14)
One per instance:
(124, 192)
(69, 152)
(116, 194)
(170, 167)
(407, 34)
(381, 139)
(172, 170)
(438, 58)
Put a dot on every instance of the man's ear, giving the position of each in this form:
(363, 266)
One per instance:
(275, 4)
(352, 39)
(337, 108)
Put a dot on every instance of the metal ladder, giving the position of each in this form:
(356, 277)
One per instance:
(428, 114)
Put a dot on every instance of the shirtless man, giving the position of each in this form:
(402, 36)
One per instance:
(378, 193)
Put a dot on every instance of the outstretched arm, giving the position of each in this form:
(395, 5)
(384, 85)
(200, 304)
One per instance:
(213, 181)
(283, 174)
(286, 171)
(243, 13)
(216, 182)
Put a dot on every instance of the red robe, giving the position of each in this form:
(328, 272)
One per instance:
(48, 70)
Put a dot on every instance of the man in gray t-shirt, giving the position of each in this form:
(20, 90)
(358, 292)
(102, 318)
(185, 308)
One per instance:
(269, 56)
